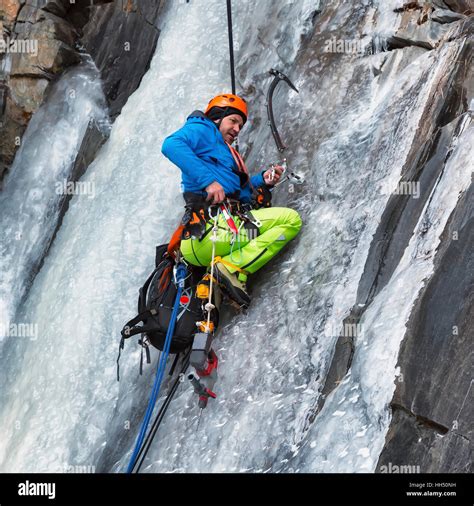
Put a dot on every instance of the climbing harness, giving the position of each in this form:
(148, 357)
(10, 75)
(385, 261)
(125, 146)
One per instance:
(229, 220)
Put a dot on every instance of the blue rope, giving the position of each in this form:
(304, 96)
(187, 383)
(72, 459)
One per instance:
(180, 276)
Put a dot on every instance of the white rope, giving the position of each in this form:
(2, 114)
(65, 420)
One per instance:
(210, 306)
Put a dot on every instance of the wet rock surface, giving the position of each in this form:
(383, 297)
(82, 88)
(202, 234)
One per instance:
(93, 140)
(414, 443)
(39, 38)
(122, 43)
(435, 386)
(121, 38)
(430, 407)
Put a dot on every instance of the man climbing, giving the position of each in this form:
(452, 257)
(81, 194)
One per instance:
(214, 176)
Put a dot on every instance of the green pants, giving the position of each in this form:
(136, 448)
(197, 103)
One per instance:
(279, 225)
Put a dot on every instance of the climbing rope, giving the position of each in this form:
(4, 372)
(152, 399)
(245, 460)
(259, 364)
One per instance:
(231, 44)
(180, 275)
(161, 413)
(231, 55)
(215, 228)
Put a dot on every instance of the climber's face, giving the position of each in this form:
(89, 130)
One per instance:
(230, 127)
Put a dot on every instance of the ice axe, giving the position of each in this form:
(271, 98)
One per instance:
(290, 176)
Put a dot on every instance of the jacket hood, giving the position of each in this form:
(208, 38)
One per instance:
(197, 114)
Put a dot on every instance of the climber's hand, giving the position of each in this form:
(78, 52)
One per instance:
(215, 193)
(273, 175)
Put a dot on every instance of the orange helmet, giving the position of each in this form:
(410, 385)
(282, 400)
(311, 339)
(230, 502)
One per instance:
(228, 100)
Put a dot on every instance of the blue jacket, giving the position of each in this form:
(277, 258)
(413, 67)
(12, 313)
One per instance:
(201, 153)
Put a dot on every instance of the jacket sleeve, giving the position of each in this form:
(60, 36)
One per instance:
(257, 180)
(180, 149)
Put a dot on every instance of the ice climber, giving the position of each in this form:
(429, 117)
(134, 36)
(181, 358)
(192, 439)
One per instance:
(215, 177)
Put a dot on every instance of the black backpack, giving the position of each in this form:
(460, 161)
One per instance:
(155, 305)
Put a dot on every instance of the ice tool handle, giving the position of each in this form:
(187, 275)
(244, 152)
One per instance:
(290, 176)
(278, 76)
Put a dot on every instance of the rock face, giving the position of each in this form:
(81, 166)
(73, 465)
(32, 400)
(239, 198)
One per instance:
(432, 404)
(94, 138)
(433, 408)
(41, 38)
(38, 42)
(122, 43)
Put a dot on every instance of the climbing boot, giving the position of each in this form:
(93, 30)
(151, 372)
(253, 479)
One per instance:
(231, 284)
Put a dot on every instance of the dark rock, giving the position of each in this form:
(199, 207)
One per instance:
(446, 16)
(440, 332)
(122, 45)
(440, 4)
(29, 14)
(52, 58)
(435, 357)
(94, 138)
(427, 35)
(463, 6)
(3, 97)
(12, 126)
(57, 7)
(412, 442)
(424, 163)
